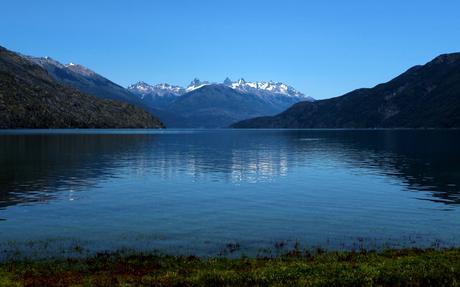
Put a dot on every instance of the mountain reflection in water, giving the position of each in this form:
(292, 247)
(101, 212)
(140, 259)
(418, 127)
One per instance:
(36, 167)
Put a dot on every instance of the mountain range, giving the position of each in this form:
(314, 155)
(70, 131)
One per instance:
(425, 96)
(213, 105)
(41, 92)
(31, 98)
(260, 88)
(201, 104)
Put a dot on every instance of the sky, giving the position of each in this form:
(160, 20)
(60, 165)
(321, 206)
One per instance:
(322, 48)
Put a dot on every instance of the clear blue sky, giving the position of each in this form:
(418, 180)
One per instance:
(323, 48)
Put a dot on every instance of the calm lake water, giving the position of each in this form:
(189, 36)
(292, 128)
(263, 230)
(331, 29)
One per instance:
(211, 192)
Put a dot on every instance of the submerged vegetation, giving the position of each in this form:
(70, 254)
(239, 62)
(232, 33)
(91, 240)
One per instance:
(413, 267)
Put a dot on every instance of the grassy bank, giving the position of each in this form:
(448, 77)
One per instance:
(389, 268)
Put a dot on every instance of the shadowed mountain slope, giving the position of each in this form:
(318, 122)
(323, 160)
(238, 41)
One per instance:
(425, 96)
(30, 98)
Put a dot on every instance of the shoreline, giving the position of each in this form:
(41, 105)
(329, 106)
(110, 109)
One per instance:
(415, 267)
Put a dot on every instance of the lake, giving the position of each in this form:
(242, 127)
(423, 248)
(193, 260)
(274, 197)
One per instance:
(209, 192)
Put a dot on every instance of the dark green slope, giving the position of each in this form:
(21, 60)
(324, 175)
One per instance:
(30, 98)
(425, 96)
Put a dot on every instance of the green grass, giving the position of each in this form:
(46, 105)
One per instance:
(412, 267)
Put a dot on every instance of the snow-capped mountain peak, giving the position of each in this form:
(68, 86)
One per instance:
(265, 87)
(141, 88)
(196, 84)
(163, 89)
(241, 81)
(262, 89)
(82, 70)
(50, 62)
(42, 61)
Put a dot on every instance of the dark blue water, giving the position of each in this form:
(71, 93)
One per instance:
(201, 191)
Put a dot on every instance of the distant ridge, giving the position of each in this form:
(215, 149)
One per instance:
(425, 96)
(85, 80)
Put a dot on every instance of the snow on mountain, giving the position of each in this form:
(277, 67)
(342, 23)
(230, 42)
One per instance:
(161, 90)
(140, 88)
(263, 87)
(47, 62)
(196, 84)
(158, 96)
(82, 70)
